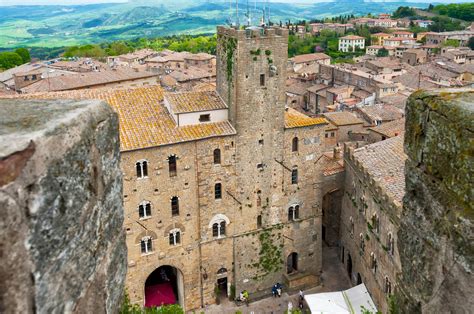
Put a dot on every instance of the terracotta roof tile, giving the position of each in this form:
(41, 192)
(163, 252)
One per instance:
(385, 162)
(343, 118)
(295, 119)
(144, 121)
(195, 101)
(390, 129)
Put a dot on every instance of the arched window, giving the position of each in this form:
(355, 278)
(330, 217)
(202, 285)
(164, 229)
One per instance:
(259, 198)
(388, 286)
(218, 191)
(362, 242)
(174, 206)
(144, 209)
(390, 244)
(259, 221)
(351, 221)
(373, 262)
(175, 237)
(294, 144)
(172, 165)
(294, 175)
(146, 245)
(293, 212)
(217, 156)
(142, 169)
(218, 229)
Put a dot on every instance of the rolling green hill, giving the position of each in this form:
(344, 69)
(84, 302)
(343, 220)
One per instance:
(59, 26)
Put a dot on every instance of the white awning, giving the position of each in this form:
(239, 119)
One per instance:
(349, 301)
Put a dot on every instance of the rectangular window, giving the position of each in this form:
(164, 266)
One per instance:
(262, 79)
(294, 176)
(205, 118)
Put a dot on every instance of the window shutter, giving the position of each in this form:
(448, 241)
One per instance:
(140, 211)
(143, 246)
(148, 209)
(145, 169)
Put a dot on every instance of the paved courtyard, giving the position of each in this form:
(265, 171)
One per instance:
(333, 278)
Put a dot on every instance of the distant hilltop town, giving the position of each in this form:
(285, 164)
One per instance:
(246, 173)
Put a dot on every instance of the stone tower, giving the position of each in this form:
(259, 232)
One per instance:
(251, 67)
(251, 74)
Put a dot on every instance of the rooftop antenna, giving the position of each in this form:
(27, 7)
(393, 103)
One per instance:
(268, 12)
(237, 13)
(249, 19)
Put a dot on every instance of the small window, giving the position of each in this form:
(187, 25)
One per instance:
(218, 229)
(175, 237)
(260, 166)
(218, 191)
(373, 262)
(174, 206)
(172, 166)
(260, 142)
(362, 242)
(144, 210)
(217, 156)
(205, 118)
(326, 135)
(294, 144)
(142, 169)
(388, 286)
(259, 221)
(262, 79)
(294, 213)
(390, 244)
(34, 77)
(351, 221)
(294, 176)
(146, 245)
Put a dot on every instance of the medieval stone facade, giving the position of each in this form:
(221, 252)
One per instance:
(246, 204)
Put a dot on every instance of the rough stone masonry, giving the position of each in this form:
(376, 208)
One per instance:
(62, 246)
(436, 228)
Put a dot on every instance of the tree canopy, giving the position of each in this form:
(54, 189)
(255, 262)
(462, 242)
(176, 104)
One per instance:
(10, 60)
(24, 54)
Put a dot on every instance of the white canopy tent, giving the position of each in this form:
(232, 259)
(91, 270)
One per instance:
(343, 302)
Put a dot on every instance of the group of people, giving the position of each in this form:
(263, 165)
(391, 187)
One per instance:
(276, 290)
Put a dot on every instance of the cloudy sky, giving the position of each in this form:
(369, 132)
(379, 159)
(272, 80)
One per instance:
(69, 2)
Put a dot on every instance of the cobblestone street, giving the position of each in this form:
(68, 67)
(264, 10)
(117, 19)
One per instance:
(333, 278)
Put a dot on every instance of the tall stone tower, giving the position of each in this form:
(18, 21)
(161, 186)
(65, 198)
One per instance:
(251, 74)
(251, 67)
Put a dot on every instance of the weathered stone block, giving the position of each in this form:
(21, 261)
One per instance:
(436, 227)
(62, 245)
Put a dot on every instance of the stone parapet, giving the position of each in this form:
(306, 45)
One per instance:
(435, 235)
(252, 33)
(63, 247)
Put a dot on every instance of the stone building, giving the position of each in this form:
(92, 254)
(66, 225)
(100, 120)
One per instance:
(371, 206)
(222, 189)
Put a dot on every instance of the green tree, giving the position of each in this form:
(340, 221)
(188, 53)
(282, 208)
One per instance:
(451, 43)
(470, 43)
(10, 60)
(128, 308)
(24, 54)
(404, 12)
(117, 48)
(382, 53)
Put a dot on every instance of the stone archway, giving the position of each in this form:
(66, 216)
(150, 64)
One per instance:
(164, 286)
(292, 263)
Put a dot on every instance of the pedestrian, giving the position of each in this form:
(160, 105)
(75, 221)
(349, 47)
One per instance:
(290, 306)
(274, 291)
(301, 295)
(278, 286)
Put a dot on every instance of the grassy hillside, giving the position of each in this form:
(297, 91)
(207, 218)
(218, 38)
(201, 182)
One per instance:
(59, 26)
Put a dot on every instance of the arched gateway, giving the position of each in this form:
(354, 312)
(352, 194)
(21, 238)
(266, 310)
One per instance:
(164, 286)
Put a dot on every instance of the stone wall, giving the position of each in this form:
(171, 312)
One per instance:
(435, 235)
(61, 239)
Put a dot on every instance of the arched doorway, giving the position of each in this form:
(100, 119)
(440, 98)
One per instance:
(349, 265)
(222, 283)
(164, 286)
(359, 279)
(292, 263)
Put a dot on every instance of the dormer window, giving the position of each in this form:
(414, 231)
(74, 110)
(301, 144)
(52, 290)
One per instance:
(205, 118)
